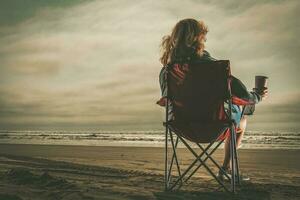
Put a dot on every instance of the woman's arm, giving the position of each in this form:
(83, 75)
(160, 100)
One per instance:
(162, 82)
(163, 88)
(239, 90)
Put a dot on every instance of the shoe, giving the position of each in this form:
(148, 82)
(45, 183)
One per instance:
(225, 175)
(244, 177)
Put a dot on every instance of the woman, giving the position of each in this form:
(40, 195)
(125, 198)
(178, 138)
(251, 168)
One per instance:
(185, 43)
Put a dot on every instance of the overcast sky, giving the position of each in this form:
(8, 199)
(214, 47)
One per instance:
(94, 64)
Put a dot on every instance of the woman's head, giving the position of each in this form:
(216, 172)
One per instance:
(187, 37)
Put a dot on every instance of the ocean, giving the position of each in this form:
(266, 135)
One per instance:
(251, 140)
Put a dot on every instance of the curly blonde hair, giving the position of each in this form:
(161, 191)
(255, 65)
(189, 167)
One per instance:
(183, 41)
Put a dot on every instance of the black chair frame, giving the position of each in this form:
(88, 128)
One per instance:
(172, 137)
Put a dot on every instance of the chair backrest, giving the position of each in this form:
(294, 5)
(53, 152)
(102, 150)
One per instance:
(198, 90)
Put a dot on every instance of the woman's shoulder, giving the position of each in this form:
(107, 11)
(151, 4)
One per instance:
(204, 57)
(206, 53)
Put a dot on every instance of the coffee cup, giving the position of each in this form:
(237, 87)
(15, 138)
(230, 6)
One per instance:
(261, 83)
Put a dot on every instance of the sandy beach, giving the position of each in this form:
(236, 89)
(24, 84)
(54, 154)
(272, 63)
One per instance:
(93, 172)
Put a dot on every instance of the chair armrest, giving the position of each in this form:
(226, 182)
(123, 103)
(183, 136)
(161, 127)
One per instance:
(241, 102)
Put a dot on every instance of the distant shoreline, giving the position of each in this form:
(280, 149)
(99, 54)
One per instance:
(252, 139)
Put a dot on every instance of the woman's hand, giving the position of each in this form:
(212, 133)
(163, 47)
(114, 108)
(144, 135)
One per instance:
(263, 92)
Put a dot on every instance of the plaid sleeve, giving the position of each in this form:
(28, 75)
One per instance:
(162, 82)
(239, 90)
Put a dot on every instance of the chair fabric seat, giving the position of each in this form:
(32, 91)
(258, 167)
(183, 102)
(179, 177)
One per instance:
(200, 132)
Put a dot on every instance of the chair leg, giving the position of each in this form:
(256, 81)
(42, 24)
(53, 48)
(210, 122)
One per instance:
(166, 159)
(203, 152)
(232, 152)
(204, 165)
(213, 161)
(237, 170)
(183, 174)
(180, 178)
(208, 156)
(174, 156)
(168, 166)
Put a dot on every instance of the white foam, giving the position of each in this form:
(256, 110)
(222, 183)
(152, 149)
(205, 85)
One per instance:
(252, 139)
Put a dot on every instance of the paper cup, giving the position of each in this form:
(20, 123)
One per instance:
(261, 82)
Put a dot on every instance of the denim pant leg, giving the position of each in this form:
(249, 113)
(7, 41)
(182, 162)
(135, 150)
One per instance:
(236, 115)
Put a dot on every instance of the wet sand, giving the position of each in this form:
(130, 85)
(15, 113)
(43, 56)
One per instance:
(93, 172)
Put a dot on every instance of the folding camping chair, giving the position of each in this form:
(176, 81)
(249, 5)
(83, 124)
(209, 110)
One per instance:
(196, 92)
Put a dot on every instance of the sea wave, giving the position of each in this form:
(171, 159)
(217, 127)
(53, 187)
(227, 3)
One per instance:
(252, 139)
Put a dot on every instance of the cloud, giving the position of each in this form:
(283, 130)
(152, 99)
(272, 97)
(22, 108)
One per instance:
(279, 112)
(95, 63)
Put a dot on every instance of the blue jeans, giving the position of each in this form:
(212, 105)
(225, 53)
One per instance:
(236, 114)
